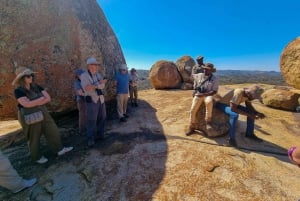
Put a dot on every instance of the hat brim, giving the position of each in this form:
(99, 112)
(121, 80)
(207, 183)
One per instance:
(20, 75)
(211, 69)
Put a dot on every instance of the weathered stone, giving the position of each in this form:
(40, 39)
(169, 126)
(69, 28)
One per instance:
(164, 75)
(186, 86)
(281, 99)
(54, 38)
(290, 63)
(185, 65)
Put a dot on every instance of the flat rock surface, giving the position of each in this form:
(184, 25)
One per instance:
(150, 158)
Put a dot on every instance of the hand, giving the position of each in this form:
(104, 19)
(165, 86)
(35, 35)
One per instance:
(199, 94)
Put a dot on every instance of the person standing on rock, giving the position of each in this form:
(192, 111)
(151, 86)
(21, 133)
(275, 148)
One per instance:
(133, 87)
(9, 177)
(122, 83)
(206, 85)
(197, 68)
(34, 116)
(93, 83)
(80, 100)
(243, 95)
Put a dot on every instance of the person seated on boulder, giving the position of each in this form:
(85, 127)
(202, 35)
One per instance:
(10, 179)
(34, 116)
(206, 86)
(294, 155)
(243, 95)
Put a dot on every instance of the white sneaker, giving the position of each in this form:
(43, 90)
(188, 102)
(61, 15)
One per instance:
(64, 150)
(42, 160)
(26, 184)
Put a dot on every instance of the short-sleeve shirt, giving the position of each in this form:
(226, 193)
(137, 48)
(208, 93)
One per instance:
(238, 96)
(212, 84)
(122, 83)
(133, 78)
(20, 92)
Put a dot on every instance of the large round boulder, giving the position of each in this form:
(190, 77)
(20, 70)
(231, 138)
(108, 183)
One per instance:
(164, 75)
(290, 63)
(54, 38)
(185, 65)
(281, 99)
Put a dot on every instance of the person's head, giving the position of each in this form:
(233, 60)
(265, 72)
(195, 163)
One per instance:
(92, 64)
(209, 69)
(123, 68)
(199, 59)
(24, 76)
(254, 92)
(133, 71)
(79, 72)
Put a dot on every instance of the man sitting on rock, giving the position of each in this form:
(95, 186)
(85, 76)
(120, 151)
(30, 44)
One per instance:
(206, 85)
(243, 95)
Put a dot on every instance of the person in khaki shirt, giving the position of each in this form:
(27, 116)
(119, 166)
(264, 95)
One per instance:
(243, 95)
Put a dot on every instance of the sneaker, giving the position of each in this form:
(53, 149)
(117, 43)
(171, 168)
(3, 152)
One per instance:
(254, 137)
(232, 142)
(26, 184)
(42, 160)
(122, 119)
(64, 150)
(126, 115)
(189, 132)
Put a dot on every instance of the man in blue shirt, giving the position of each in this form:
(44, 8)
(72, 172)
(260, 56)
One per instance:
(122, 83)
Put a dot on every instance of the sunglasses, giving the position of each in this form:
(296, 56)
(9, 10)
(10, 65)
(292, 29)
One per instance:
(29, 76)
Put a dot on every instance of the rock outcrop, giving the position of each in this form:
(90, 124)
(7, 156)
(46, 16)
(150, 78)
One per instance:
(185, 65)
(281, 99)
(54, 38)
(165, 75)
(290, 63)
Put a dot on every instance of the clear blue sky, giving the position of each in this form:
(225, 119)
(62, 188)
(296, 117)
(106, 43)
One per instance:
(232, 34)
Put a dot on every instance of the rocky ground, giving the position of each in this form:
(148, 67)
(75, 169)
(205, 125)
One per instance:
(150, 158)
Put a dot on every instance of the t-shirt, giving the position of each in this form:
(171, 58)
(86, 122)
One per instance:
(21, 92)
(133, 78)
(212, 84)
(122, 83)
(238, 96)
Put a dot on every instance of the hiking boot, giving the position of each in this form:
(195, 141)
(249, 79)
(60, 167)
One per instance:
(64, 150)
(26, 184)
(99, 137)
(136, 105)
(132, 104)
(126, 115)
(122, 119)
(190, 131)
(42, 160)
(232, 142)
(254, 137)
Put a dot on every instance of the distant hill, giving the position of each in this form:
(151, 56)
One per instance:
(230, 77)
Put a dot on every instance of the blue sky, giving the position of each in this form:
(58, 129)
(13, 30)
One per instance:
(232, 34)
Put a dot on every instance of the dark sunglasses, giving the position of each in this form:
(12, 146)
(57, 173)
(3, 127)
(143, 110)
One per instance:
(29, 76)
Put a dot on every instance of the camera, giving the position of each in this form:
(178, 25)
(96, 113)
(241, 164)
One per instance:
(201, 89)
(99, 92)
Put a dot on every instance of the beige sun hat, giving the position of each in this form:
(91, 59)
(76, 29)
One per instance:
(21, 72)
(210, 67)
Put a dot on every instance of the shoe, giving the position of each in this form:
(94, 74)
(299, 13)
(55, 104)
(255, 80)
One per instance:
(91, 143)
(132, 104)
(99, 137)
(189, 132)
(26, 184)
(254, 137)
(126, 115)
(42, 160)
(136, 105)
(64, 150)
(122, 119)
(232, 142)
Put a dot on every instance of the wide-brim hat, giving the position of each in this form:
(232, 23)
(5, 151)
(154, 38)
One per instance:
(199, 57)
(123, 67)
(255, 91)
(92, 60)
(21, 72)
(210, 67)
